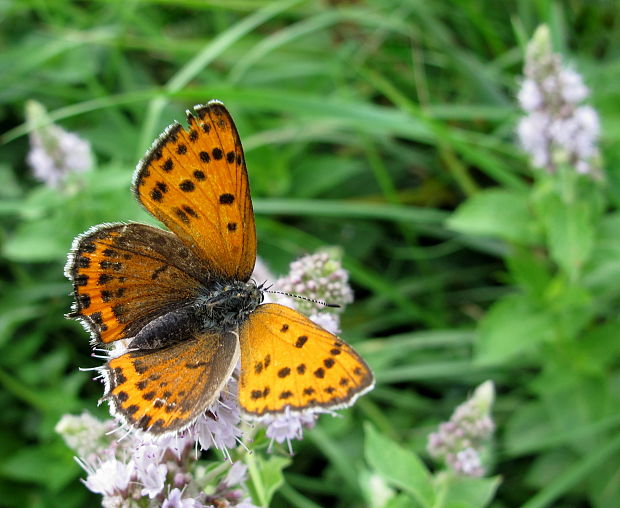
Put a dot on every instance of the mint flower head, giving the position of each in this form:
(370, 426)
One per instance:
(558, 128)
(88, 436)
(54, 152)
(141, 470)
(461, 441)
(320, 277)
(288, 426)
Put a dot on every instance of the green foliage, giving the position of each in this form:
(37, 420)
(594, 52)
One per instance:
(404, 470)
(383, 127)
(265, 476)
(399, 467)
(496, 213)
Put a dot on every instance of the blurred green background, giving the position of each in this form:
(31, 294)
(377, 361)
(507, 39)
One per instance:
(365, 124)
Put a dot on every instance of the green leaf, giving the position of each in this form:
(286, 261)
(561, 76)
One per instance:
(265, 475)
(527, 430)
(467, 492)
(571, 475)
(511, 327)
(400, 501)
(603, 270)
(496, 213)
(570, 232)
(32, 242)
(399, 467)
(530, 271)
(377, 492)
(51, 465)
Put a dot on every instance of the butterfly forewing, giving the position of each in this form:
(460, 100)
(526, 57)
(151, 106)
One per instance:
(289, 362)
(125, 275)
(165, 390)
(195, 181)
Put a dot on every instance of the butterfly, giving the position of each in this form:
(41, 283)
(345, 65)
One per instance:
(184, 302)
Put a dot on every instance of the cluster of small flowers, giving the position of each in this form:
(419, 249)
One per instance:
(54, 153)
(137, 467)
(320, 277)
(87, 436)
(288, 426)
(557, 129)
(220, 426)
(460, 441)
(164, 469)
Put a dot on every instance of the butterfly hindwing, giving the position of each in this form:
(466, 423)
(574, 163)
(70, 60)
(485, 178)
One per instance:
(289, 362)
(165, 390)
(125, 275)
(195, 181)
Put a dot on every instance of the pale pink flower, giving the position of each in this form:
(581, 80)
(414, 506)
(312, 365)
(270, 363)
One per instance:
(54, 153)
(557, 129)
(219, 427)
(466, 462)
(319, 277)
(110, 478)
(175, 500)
(236, 474)
(288, 425)
(460, 441)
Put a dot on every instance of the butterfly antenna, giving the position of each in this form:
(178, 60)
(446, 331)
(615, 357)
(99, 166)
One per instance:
(320, 302)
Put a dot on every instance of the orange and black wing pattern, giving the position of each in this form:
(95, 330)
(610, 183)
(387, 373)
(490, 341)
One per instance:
(165, 390)
(289, 363)
(125, 275)
(195, 181)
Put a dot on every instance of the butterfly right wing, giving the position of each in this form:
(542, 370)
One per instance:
(165, 390)
(288, 363)
(195, 181)
(125, 275)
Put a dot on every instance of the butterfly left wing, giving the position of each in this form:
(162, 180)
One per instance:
(126, 275)
(288, 361)
(195, 181)
(165, 390)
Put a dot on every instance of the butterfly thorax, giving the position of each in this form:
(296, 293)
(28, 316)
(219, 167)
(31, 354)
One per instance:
(220, 308)
(226, 306)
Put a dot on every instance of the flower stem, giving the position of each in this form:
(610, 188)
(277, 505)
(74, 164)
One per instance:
(257, 481)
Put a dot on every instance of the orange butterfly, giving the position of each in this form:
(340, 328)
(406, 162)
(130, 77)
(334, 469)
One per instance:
(184, 299)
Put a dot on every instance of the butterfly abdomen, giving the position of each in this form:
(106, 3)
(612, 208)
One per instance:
(167, 329)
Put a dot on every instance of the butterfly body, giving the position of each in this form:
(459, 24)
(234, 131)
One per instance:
(183, 300)
(219, 309)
